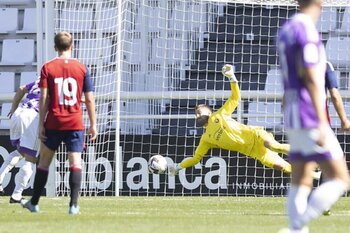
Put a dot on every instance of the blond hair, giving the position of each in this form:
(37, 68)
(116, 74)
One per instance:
(63, 41)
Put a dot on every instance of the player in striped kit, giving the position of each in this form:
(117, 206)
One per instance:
(303, 62)
(23, 134)
(332, 88)
(63, 81)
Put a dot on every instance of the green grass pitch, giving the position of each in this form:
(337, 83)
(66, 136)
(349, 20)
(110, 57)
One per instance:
(164, 214)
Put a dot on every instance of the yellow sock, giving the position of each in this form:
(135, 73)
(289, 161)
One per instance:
(280, 148)
(287, 169)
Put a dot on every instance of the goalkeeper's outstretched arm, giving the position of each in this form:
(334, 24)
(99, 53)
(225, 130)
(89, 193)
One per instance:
(231, 104)
(189, 162)
(226, 109)
(200, 152)
(227, 71)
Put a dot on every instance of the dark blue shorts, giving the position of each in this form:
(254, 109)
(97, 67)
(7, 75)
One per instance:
(74, 139)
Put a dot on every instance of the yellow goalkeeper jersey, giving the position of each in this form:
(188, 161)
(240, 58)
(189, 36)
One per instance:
(226, 133)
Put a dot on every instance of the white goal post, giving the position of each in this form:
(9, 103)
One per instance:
(153, 61)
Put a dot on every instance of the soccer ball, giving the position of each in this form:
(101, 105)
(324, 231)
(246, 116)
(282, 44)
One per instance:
(157, 164)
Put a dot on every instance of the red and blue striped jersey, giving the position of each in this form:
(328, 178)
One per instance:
(66, 80)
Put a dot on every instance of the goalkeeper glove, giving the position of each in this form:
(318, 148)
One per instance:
(174, 170)
(227, 71)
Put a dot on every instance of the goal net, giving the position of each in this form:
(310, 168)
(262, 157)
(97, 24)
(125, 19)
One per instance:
(153, 61)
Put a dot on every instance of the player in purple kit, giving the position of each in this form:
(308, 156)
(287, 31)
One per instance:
(303, 63)
(23, 134)
(63, 81)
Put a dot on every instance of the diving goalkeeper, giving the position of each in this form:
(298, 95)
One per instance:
(221, 131)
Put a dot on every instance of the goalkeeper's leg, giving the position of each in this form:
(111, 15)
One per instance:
(270, 143)
(275, 146)
(273, 160)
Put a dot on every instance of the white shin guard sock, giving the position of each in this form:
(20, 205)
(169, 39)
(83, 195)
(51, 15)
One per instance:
(297, 204)
(322, 198)
(10, 161)
(23, 177)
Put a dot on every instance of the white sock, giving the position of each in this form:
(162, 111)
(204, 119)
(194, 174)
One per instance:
(22, 178)
(322, 198)
(10, 161)
(297, 204)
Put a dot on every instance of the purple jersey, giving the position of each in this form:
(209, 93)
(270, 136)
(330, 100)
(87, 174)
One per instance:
(300, 46)
(33, 96)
